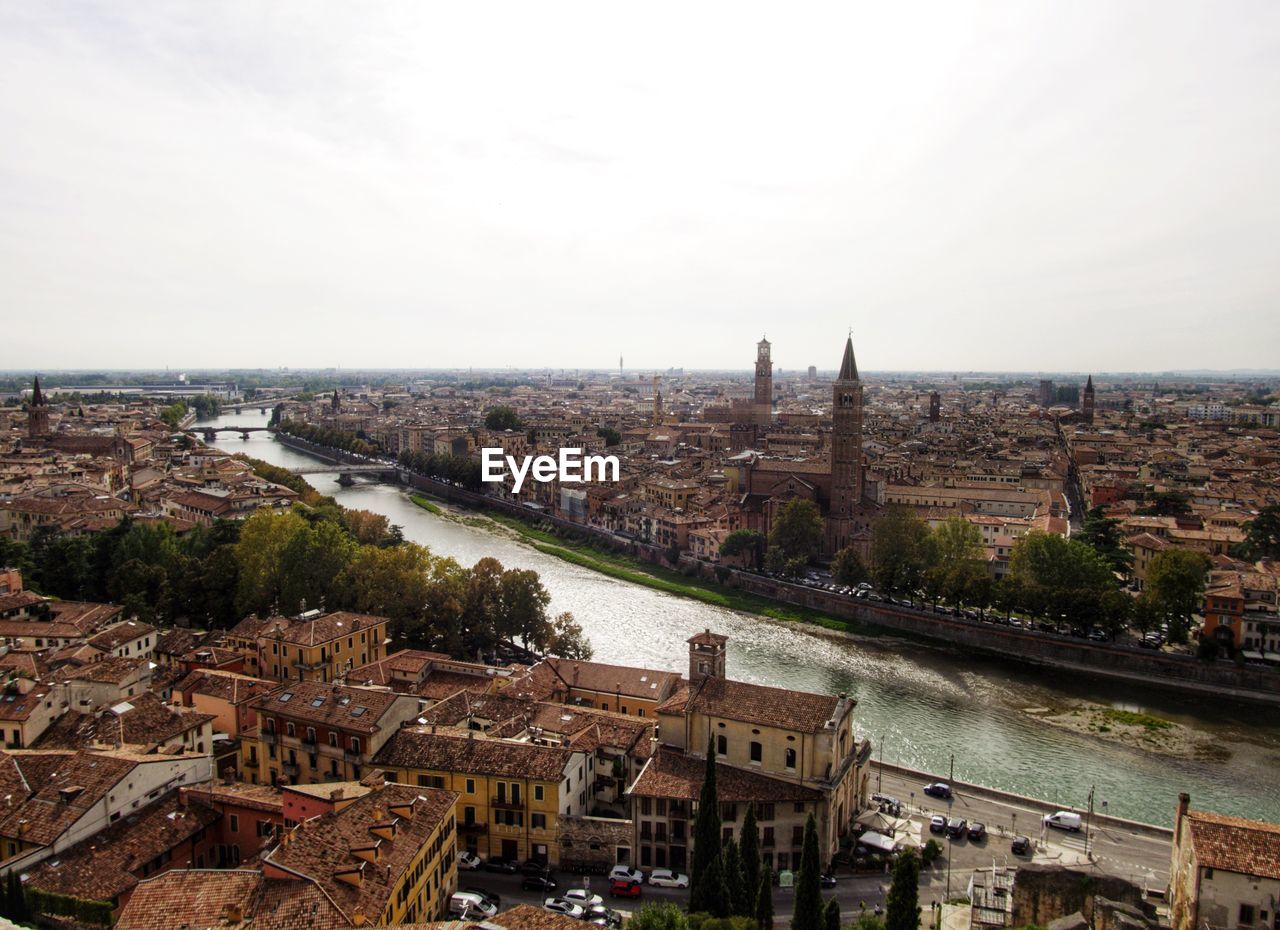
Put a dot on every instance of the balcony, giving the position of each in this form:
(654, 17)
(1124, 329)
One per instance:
(269, 736)
(291, 769)
(352, 755)
(514, 804)
(472, 826)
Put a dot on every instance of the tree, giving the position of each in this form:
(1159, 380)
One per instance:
(735, 887)
(797, 530)
(658, 917)
(847, 567)
(1103, 534)
(503, 417)
(807, 913)
(610, 436)
(899, 550)
(1060, 576)
(831, 915)
(744, 542)
(570, 641)
(311, 564)
(958, 566)
(706, 891)
(1167, 504)
(263, 539)
(902, 909)
(1263, 540)
(764, 900)
(66, 569)
(1176, 580)
(749, 850)
(524, 609)
(366, 527)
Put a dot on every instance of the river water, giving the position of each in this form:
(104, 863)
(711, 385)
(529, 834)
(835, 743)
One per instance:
(921, 705)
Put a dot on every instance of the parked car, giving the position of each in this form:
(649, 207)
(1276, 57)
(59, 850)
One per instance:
(582, 896)
(937, 824)
(626, 873)
(603, 916)
(938, 789)
(469, 861)
(538, 883)
(1021, 846)
(561, 906)
(828, 880)
(956, 827)
(666, 878)
(1063, 820)
(489, 896)
(467, 904)
(505, 866)
(622, 888)
(977, 831)
(534, 867)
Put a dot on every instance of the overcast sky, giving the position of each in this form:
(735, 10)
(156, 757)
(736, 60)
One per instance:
(1004, 186)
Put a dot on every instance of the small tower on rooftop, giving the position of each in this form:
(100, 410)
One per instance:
(706, 655)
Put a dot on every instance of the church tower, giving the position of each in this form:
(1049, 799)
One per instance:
(37, 413)
(763, 406)
(657, 401)
(1086, 405)
(846, 449)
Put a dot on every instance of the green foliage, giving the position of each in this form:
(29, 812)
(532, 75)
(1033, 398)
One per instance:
(868, 920)
(1167, 504)
(706, 889)
(797, 530)
(738, 542)
(611, 436)
(831, 915)
(658, 917)
(173, 414)
(900, 551)
(958, 568)
(930, 852)
(847, 567)
(749, 850)
(463, 471)
(283, 477)
(735, 887)
(764, 900)
(1050, 575)
(902, 909)
(701, 920)
(1176, 580)
(1264, 534)
(807, 913)
(206, 406)
(334, 439)
(81, 909)
(1103, 534)
(503, 417)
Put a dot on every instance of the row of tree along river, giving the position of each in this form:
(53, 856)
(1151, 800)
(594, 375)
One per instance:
(921, 705)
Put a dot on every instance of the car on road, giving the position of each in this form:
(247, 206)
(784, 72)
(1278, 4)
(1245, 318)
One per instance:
(602, 916)
(1021, 846)
(622, 888)
(505, 866)
(626, 873)
(582, 896)
(937, 824)
(666, 878)
(534, 867)
(977, 831)
(828, 880)
(489, 897)
(1063, 820)
(956, 827)
(938, 789)
(567, 908)
(538, 883)
(467, 904)
(469, 861)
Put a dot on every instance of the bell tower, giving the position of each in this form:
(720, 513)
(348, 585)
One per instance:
(1086, 405)
(37, 413)
(762, 412)
(846, 449)
(706, 655)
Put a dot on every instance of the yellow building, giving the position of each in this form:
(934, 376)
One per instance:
(511, 795)
(387, 858)
(321, 647)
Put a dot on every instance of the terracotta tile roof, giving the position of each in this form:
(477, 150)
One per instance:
(338, 706)
(552, 675)
(235, 689)
(121, 633)
(465, 706)
(440, 685)
(419, 748)
(46, 814)
(142, 720)
(111, 670)
(400, 668)
(1233, 844)
(740, 700)
(253, 627)
(22, 600)
(103, 867)
(176, 641)
(327, 628)
(16, 705)
(195, 898)
(672, 774)
(322, 848)
(85, 616)
(529, 917)
(238, 793)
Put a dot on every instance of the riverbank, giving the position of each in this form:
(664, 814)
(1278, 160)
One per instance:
(1142, 731)
(647, 574)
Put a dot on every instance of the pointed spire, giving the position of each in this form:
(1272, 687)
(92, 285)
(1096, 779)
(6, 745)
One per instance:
(1088, 385)
(37, 396)
(848, 367)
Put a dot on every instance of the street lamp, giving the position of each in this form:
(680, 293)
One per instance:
(880, 774)
(1088, 823)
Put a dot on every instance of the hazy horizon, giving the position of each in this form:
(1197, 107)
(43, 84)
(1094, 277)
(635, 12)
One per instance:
(988, 187)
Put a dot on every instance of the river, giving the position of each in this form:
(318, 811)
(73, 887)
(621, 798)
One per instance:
(920, 704)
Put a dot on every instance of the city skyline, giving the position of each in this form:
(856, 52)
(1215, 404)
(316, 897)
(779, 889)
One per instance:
(996, 189)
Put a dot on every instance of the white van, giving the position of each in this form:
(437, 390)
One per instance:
(468, 904)
(1063, 820)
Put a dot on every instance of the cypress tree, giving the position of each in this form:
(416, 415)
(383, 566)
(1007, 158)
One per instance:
(706, 841)
(4, 898)
(16, 899)
(715, 900)
(808, 900)
(735, 888)
(902, 911)
(764, 900)
(831, 915)
(749, 849)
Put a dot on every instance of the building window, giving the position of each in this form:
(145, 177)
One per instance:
(757, 752)
(797, 835)
(722, 745)
(767, 841)
(333, 739)
(471, 786)
(235, 824)
(288, 729)
(1246, 914)
(537, 792)
(791, 758)
(355, 744)
(538, 821)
